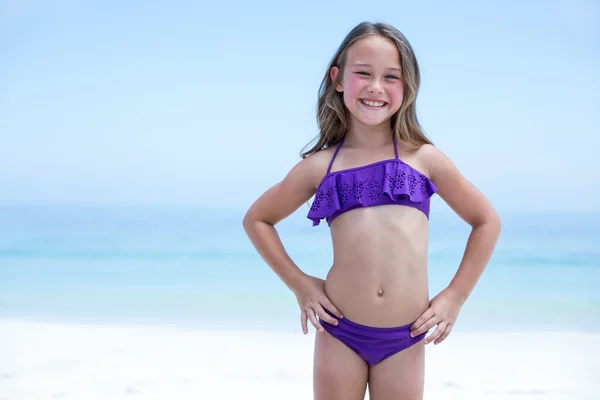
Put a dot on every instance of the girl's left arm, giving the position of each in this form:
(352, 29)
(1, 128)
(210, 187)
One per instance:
(476, 210)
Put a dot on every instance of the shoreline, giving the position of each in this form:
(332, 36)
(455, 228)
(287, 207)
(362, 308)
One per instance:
(48, 360)
(255, 324)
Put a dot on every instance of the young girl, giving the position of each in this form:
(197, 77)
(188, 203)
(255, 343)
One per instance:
(373, 172)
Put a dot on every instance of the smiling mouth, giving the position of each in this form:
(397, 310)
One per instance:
(373, 103)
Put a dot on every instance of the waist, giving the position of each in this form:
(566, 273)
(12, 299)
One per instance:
(387, 295)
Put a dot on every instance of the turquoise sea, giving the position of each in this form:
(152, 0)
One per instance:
(193, 266)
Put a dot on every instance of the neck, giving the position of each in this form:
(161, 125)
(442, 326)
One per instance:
(367, 136)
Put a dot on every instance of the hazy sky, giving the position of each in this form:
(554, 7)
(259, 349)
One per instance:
(196, 103)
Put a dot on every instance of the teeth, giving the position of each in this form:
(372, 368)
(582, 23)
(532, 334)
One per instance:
(374, 103)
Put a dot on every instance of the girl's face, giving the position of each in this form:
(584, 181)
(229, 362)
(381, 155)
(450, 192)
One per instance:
(371, 83)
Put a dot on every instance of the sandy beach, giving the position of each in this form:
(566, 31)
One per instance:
(41, 361)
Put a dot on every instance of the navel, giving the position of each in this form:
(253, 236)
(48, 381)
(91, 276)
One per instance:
(380, 292)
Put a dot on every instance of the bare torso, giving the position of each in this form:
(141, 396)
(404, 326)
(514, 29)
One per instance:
(379, 272)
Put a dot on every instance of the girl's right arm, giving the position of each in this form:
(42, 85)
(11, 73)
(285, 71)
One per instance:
(259, 222)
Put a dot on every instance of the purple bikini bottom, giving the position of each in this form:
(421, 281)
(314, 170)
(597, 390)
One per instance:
(372, 344)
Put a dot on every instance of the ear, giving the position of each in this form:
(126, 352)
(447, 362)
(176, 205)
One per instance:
(334, 73)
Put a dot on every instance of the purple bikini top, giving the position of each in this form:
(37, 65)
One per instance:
(384, 182)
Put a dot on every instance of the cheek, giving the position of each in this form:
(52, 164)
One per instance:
(352, 87)
(396, 95)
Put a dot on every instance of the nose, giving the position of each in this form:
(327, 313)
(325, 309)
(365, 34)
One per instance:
(375, 87)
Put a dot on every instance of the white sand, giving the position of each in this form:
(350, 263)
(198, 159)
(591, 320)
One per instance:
(41, 361)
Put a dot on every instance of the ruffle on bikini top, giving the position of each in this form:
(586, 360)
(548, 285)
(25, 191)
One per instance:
(384, 182)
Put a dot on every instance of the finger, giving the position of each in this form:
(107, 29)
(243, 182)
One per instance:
(327, 304)
(426, 316)
(313, 318)
(444, 335)
(303, 322)
(324, 316)
(436, 334)
(425, 327)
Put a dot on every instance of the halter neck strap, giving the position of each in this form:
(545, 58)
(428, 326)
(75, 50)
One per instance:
(335, 154)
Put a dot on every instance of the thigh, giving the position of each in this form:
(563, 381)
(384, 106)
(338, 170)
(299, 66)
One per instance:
(401, 376)
(339, 373)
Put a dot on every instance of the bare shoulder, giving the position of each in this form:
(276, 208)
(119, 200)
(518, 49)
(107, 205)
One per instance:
(455, 189)
(441, 170)
(433, 159)
(316, 164)
(295, 189)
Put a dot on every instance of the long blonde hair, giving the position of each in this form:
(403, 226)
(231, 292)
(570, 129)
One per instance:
(332, 114)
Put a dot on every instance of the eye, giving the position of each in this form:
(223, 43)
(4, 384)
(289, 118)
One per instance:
(362, 73)
(392, 77)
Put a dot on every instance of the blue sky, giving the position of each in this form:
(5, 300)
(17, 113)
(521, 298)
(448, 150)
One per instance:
(209, 104)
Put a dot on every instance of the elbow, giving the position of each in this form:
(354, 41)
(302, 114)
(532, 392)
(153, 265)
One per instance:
(490, 220)
(494, 223)
(251, 219)
(499, 225)
(248, 221)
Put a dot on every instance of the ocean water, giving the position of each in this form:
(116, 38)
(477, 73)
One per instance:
(192, 266)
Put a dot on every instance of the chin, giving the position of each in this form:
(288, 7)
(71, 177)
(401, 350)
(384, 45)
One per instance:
(373, 121)
(376, 123)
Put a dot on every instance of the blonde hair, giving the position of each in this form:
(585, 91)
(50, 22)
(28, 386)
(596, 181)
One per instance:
(332, 114)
